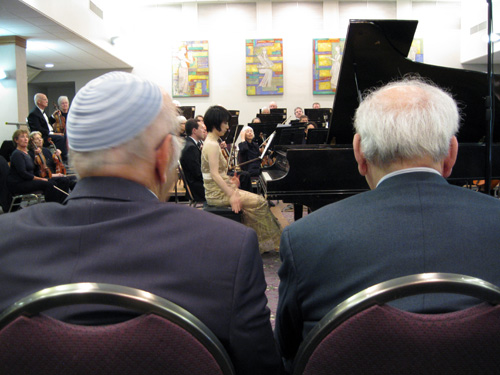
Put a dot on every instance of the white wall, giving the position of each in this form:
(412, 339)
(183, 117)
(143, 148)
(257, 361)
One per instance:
(150, 33)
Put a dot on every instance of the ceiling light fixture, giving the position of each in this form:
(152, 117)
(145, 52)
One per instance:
(49, 65)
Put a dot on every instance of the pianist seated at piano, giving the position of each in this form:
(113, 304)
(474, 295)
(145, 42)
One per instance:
(221, 190)
(412, 221)
(249, 152)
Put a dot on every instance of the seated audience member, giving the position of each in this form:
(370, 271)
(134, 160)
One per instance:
(303, 118)
(412, 221)
(116, 228)
(316, 105)
(265, 111)
(310, 125)
(249, 150)
(256, 120)
(273, 105)
(22, 178)
(39, 121)
(221, 190)
(191, 159)
(298, 112)
(52, 161)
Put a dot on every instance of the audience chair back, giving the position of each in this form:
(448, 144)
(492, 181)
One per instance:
(363, 335)
(165, 339)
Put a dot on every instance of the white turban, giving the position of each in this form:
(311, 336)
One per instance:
(111, 110)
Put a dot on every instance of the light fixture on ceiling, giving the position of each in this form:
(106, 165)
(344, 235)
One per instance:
(49, 65)
(114, 40)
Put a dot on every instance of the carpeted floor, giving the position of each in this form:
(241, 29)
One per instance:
(272, 260)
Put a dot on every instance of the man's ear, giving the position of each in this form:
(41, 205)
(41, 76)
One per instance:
(358, 154)
(163, 154)
(450, 160)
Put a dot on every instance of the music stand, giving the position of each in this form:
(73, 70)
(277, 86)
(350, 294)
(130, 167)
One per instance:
(317, 136)
(234, 117)
(278, 111)
(277, 119)
(187, 111)
(290, 135)
(229, 136)
(319, 115)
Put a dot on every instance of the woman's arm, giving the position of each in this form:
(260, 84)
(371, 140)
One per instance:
(212, 151)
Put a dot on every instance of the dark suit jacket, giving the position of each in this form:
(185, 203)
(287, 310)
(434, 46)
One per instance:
(411, 223)
(191, 165)
(37, 122)
(115, 231)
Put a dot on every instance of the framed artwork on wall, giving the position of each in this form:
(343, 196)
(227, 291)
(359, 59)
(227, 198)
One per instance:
(417, 50)
(327, 56)
(264, 66)
(190, 69)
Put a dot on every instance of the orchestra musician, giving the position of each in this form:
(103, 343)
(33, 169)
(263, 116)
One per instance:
(221, 190)
(412, 221)
(116, 227)
(191, 159)
(39, 121)
(22, 178)
(249, 152)
(53, 162)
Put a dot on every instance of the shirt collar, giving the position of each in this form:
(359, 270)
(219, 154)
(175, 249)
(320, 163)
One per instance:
(408, 170)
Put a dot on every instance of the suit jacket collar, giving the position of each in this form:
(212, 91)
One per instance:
(112, 188)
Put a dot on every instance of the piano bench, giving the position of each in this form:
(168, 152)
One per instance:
(226, 212)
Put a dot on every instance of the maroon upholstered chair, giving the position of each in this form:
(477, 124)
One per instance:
(363, 335)
(165, 339)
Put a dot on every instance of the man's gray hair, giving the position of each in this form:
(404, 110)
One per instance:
(417, 120)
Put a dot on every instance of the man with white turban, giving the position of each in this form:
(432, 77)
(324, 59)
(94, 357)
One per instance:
(116, 228)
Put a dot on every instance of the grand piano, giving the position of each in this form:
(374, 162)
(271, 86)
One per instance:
(375, 53)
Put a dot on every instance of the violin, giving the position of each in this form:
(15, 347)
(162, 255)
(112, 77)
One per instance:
(40, 160)
(60, 124)
(60, 168)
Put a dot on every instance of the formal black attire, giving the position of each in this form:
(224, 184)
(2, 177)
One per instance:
(21, 179)
(191, 165)
(112, 230)
(37, 122)
(65, 183)
(249, 151)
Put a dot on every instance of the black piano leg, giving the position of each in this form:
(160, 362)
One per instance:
(297, 211)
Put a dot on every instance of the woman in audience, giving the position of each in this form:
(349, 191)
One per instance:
(221, 190)
(22, 178)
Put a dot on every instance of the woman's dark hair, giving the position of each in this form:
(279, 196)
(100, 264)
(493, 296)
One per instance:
(215, 116)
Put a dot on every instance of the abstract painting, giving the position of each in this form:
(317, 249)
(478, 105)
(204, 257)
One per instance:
(264, 66)
(190, 69)
(417, 50)
(327, 57)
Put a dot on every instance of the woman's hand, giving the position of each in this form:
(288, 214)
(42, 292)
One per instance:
(235, 180)
(234, 201)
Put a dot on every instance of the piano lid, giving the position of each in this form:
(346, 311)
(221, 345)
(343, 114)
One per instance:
(375, 53)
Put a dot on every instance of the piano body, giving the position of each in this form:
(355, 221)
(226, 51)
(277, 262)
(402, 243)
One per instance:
(375, 53)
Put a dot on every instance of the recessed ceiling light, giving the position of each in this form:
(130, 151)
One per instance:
(49, 65)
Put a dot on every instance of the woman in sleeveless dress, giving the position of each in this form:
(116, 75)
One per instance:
(221, 190)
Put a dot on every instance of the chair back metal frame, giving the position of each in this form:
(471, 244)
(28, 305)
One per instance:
(388, 291)
(120, 296)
